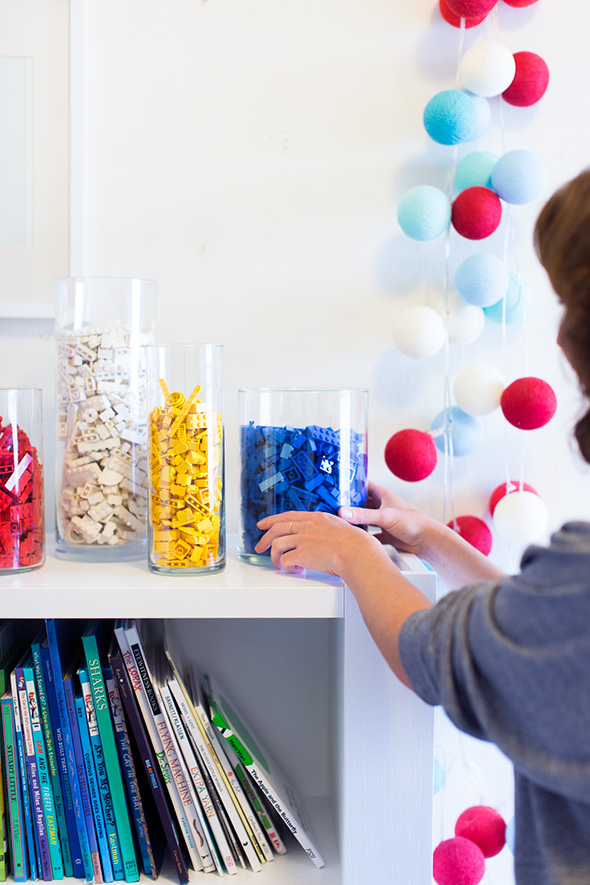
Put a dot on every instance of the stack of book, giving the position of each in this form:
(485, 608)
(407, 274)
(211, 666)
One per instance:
(114, 760)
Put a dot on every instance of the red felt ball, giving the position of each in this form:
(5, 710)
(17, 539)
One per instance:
(476, 212)
(455, 20)
(506, 488)
(476, 532)
(484, 826)
(520, 2)
(471, 8)
(411, 455)
(528, 403)
(458, 861)
(530, 80)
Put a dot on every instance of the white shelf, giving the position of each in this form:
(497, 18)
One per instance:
(14, 310)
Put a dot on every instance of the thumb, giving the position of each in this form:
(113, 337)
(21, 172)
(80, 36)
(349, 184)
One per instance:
(360, 515)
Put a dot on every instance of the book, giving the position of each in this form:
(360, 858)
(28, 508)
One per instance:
(71, 802)
(130, 776)
(47, 802)
(82, 777)
(156, 726)
(50, 751)
(106, 801)
(149, 764)
(263, 770)
(16, 829)
(94, 792)
(29, 831)
(107, 736)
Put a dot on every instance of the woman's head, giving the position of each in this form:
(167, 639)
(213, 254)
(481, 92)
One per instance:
(562, 241)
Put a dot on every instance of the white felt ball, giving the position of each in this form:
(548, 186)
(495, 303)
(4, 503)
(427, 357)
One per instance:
(478, 388)
(520, 518)
(419, 331)
(465, 322)
(487, 68)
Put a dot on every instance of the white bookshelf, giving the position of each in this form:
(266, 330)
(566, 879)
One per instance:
(294, 654)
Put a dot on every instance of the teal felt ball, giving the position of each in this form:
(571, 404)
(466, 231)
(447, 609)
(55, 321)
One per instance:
(475, 169)
(424, 212)
(511, 307)
(518, 176)
(482, 279)
(460, 432)
(450, 117)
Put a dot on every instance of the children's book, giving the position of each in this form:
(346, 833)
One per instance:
(148, 763)
(107, 736)
(52, 763)
(30, 830)
(62, 633)
(16, 828)
(106, 800)
(262, 769)
(130, 777)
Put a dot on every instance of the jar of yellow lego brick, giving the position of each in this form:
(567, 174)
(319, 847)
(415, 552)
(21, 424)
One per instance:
(186, 517)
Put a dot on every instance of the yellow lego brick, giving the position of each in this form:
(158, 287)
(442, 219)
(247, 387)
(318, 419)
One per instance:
(205, 525)
(183, 517)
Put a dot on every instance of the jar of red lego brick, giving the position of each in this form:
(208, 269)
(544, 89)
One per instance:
(300, 450)
(102, 327)
(22, 518)
(186, 524)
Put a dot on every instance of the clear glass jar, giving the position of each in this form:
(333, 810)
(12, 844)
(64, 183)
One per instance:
(102, 325)
(186, 444)
(300, 450)
(22, 517)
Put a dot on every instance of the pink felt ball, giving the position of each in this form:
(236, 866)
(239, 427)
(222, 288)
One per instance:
(530, 80)
(484, 826)
(458, 861)
(411, 455)
(507, 488)
(476, 212)
(471, 8)
(476, 532)
(528, 403)
(455, 20)
(520, 2)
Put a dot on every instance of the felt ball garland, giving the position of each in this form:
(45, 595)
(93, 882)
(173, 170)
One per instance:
(520, 3)
(455, 20)
(530, 80)
(476, 213)
(482, 279)
(528, 403)
(480, 833)
(411, 455)
(475, 531)
(419, 331)
(518, 176)
(487, 69)
(485, 826)
(471, 8)
(450, 117)
(424, 212)
(508, 488)
(475, 169)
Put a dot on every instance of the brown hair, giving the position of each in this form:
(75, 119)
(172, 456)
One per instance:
(562, 241)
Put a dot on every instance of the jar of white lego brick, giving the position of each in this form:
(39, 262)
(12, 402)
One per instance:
(299, 450)
(102, 327)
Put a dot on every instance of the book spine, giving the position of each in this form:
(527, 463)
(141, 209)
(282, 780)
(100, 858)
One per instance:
(47, 802)
(29, 830)
(113, 768)
(102, 775)
(150, 763)
(94, 792)
(128, 767)
(80, 867)
(140, 678)
(257, 805)
(58, 799)
(16, 829)
(82, 780)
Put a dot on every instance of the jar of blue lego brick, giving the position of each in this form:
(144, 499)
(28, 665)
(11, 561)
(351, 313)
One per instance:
(300, 450)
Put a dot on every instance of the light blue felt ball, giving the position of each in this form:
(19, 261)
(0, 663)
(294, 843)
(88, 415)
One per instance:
(463, 431)
(509, 836)
(517, 296)
(483, 115)
(424, 212)
(475, 170)
(518, 177)
(439, 777)
(482, 279)
(450, 117)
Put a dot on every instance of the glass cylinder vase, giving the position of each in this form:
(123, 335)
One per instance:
(102, 325)
(22, 518)
(186, 445)
(300, 450)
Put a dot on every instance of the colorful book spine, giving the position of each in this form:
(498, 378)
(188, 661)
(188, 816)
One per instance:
(94, 792)
(13, 793)
(51, 829)
(56, 787)
(105, 726)
(83, 780)
(130, 777)
(29, 829)
(102, 775)
(55, 690)
(151, 767)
